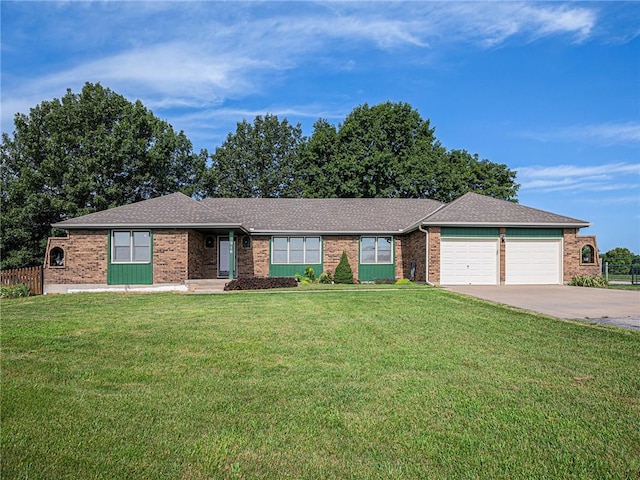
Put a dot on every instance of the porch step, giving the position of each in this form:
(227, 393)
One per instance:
(208, 285)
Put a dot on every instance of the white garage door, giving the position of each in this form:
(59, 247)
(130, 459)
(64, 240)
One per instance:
(533, 262)
(465, 261)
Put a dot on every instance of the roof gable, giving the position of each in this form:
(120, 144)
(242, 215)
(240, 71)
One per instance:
(475, 209)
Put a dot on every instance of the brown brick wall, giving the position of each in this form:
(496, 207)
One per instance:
(434, 254)
(85, 258)
(333, 248)
(202, 260)
(170, 256)
(410, 248)
(254, 261)
(572, 255)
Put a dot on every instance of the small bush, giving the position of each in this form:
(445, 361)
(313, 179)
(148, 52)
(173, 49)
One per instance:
(326, 278)
(384, 281)
(260, 283)
(308, 277)
(586, 281)
(14, 291)
(404, 281)
(343, 274)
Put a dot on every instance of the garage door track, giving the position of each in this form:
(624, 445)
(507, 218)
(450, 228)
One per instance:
(606, 306)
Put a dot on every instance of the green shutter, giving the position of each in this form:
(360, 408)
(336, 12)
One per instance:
(534, 233)
(470, 232)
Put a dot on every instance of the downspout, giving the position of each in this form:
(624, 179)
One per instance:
(426, 256)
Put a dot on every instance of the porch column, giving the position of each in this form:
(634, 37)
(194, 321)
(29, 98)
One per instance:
(232, 260)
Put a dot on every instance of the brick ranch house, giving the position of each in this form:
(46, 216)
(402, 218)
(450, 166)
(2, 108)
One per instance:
(164, 242)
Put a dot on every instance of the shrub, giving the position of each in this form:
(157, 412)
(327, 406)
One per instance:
(326, 278)
(308, 277)
(385, 281)
(14, 291)
(404, 281)
(260, 283)
(343, 271)
(586, 281)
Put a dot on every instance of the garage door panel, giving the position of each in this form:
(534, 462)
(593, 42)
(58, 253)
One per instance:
(468, 262)
(533, 262)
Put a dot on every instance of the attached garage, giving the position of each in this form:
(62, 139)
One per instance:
(533, 257)
(469, 256)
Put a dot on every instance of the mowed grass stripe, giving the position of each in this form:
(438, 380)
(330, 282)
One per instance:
(415, 383)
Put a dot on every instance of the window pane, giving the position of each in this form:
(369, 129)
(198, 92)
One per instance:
(121, 247)
(121, 239)
(121, 254)
(312, 250)
(296, 256)
(141, 254)
(368, 250)
(141, 247)
(279, 256)
(280, 245)
(296, 250)
(384, 250)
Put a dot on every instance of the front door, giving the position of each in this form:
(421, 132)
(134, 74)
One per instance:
(223, 258)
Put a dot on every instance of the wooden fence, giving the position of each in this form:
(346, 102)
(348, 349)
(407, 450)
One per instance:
(30, 276)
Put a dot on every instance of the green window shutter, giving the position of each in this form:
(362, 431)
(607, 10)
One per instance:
(470, 232)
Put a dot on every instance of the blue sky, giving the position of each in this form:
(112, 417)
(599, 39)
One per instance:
(550, 89)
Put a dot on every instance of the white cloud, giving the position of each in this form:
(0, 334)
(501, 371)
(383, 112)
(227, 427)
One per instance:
(201, 54)
(594, 178)
(610, 133)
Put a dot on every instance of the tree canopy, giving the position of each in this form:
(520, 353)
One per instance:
(96, 150)
(256, 161)
(82, 153)
(389, 150)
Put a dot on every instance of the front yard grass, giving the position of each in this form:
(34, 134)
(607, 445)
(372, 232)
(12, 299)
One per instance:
(412, 383)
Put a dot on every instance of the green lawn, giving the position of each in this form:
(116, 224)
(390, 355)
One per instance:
(411, 383)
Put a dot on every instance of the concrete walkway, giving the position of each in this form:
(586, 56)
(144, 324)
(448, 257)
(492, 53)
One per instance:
(606, 306)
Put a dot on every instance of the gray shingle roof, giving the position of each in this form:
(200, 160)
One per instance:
(175, 209)
(474, 209)
(330, 216)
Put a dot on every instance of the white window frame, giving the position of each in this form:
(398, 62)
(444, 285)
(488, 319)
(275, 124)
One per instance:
(131, 247)
(305, 251)
(376, 250)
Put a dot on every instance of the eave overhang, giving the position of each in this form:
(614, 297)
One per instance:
(152, 225)
(507, 224)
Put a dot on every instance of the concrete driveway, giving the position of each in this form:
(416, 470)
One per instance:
(606, 306)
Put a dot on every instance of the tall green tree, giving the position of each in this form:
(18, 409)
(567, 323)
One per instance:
(389, 150)
(82, 153)
(258, 160)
